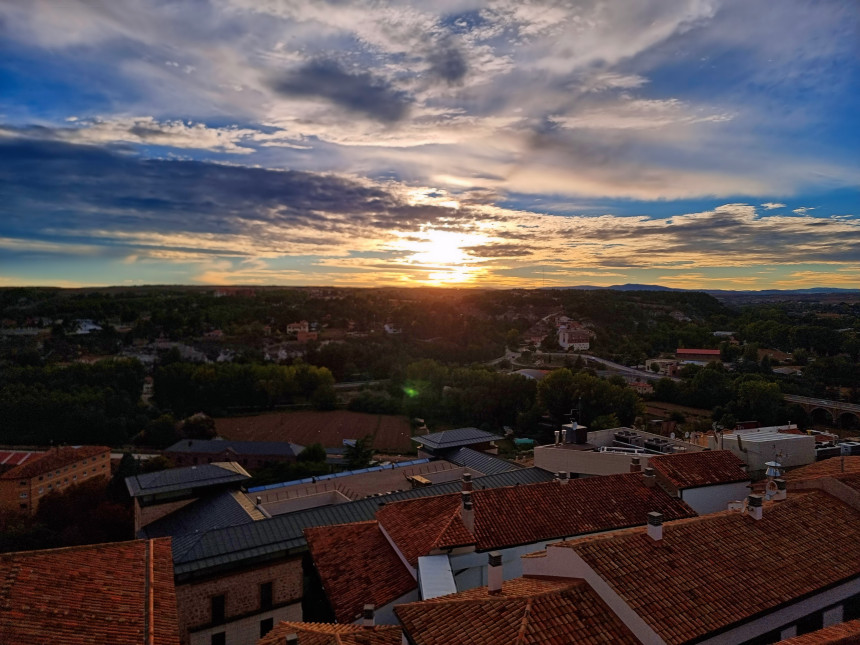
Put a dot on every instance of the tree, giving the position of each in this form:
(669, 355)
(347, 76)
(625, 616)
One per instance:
(359, 454)
(555, 395)
(315, 453)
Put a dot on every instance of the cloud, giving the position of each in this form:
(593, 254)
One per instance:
(448, 63)
(803, 210)
(359, 92)
(772, 205)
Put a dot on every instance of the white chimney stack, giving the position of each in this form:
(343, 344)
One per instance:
(781, 491)
(467, 512)
(494, 573)
(557, 433)
(655, 526)
(564, 435)
(562, 477)
(754, 506)
(367, 614)
(635, 466)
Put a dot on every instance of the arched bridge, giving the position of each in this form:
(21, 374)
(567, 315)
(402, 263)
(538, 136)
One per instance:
(834, 408)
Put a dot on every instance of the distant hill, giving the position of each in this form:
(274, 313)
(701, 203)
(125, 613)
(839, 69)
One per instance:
(717, 292)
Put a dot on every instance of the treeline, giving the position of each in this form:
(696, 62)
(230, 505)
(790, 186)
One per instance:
(219, 388)
(79, 403)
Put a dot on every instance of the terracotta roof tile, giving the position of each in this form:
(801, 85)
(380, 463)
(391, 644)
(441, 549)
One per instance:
(89, 594)
(528, 611)
(53, 459)
(842, 634)
(420, 526)
(357, 566)
(712, 571)
(706, 468)
(334, 634)
(824, 468)
(513, 515)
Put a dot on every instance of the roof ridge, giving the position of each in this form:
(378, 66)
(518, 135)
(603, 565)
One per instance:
(454, 515)
(524, 623)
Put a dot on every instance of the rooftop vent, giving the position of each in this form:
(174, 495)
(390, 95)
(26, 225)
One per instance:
(292, 639)
(467, 482)
(754, 509)
(649, 477)
(467, 512)
(635, 466)
(367, 615)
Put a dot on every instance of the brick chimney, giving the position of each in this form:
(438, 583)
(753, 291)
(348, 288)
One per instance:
(367, 615)
(494, 573)
(754, 506)
(649, 477)
(635, 466)
(467, 512)
(655, 526)
(563, 477)
(467, 482)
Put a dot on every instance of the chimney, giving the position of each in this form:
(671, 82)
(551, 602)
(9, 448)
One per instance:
(635, 466)
(781, 491)
(649, 477)
(367, 615)
(563, 477)
(754, 506)
(259, 500)
(655, 526)
(467, 482)
(467, 512)
(292, 639)
(564, 435)
(556, 437)
(494, 573)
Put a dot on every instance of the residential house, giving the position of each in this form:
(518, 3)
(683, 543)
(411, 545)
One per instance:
(707, 480)
(698, 355)
(23, 486)
(765, 572)
(120, 593)
(250, 454)
(433, 445)
(296, 633)
(575, 338)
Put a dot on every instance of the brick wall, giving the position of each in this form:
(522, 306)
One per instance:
(241, 592)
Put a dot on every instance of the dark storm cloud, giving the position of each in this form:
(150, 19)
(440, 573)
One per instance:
(66, 186)
(448, 63)
(361, 92)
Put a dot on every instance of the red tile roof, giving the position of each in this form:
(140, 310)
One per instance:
(334, 634)
(703, 352)
(824, 468)
(710, 572)
(53, 459)
(420, 526)
(104, 593)
(706, 468)
(357, 566)
(528, 611)
(842, 634)
(514, 515)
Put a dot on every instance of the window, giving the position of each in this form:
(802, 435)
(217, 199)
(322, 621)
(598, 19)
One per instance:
(23, 483)
(851, 608)
(266, 626)
(23, 495)
(219, 639)
(265, 595)
(23, 506)
(74, 477)
(218, 609)
(40, 477)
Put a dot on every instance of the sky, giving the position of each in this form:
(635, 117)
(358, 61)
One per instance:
(508, 143)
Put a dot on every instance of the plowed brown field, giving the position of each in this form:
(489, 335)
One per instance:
(305, 427)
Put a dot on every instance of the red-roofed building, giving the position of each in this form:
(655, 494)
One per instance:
(758, 575)
(357, 566)
(706, 480)
(22, 487)
(333, 634)
(698, 355)
(120, 593)
(524, 611)
(841, 634)
(462, 527)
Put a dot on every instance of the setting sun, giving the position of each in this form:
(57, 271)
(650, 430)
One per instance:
(445, 255)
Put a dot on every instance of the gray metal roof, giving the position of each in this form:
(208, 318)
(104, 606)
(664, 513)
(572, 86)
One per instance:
(480, 461)
(215, 446)
(203, 549)
(456, 438)
(177, 479)
(211, 512)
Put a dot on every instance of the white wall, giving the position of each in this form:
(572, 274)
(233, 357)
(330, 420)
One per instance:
(710, 499)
